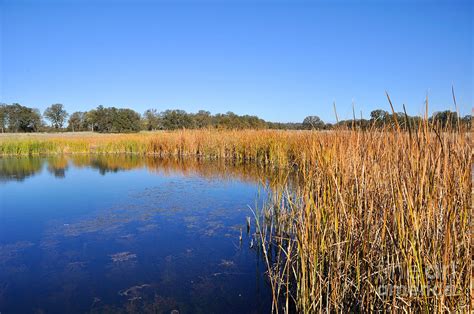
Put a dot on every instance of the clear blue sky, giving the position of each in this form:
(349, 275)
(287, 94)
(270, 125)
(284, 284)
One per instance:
(279, 60)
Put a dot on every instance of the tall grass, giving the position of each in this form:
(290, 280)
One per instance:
(278, 148)
(380, 220)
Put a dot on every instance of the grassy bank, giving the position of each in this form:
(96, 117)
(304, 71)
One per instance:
(380, 221)
(268, 147)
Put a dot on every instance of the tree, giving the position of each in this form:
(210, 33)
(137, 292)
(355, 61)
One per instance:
(56, 114)
(91, 119)
(125, 120)
(3, 117)
(22, 119)
(202, 119)
(231, 120)
(466, 121)
(445, 118)
(113, 120)
(313, 122)
(152, 120)
(176, 119)
(379, 115)
(77, 121)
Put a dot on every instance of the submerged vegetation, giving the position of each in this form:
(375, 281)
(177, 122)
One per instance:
(380, 218)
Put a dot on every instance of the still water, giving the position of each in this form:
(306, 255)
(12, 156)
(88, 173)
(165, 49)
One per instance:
(128, 234)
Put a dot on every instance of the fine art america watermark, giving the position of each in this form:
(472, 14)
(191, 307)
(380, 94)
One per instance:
(431, 285)
(406, 291)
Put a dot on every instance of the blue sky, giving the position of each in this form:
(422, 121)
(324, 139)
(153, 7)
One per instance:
(280, 60)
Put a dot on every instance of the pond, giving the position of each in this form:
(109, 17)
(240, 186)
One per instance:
(129, 234)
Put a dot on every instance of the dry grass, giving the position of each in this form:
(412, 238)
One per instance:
(380, 221)
(277, 148)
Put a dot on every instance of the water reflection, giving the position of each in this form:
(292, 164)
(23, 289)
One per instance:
(21, 168)
(18, 169)
(129, 234)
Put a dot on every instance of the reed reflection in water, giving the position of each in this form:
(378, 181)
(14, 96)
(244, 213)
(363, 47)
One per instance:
(130, 234)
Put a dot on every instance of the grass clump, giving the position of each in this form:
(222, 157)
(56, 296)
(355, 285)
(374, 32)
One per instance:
(380, 221)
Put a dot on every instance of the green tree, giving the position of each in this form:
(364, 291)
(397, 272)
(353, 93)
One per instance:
(22, 119)
(91, 120)
(77, 121)
(445, 118)
(152, 120)
(202, 119)
(379, 115)
(124, 120)
(176, 119)
(466, 121)
(313, 122)
(3, 117)
(56, 114)
(113, 120)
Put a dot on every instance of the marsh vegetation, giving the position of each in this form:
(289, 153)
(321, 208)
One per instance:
(359, 219)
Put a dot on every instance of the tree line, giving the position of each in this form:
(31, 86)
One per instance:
(18, 118)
